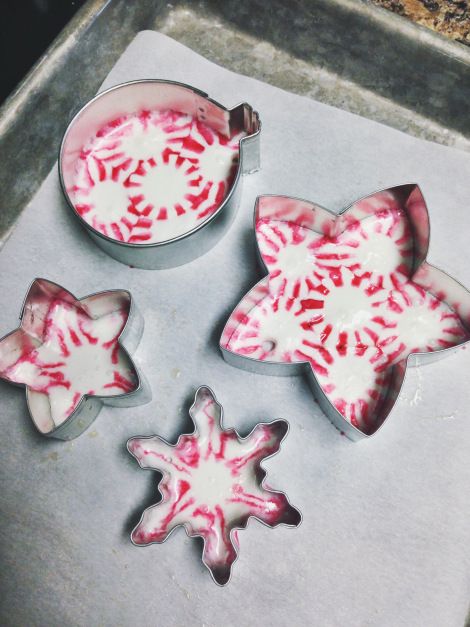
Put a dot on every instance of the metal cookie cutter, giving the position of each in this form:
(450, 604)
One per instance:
(73, 356)
(212, 484)
(147, 169)
(350, 300)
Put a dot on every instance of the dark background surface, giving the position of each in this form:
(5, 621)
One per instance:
(27, 28)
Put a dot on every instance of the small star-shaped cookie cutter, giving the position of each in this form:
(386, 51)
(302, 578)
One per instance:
(350, 300)
(66, 346)
(212, 484)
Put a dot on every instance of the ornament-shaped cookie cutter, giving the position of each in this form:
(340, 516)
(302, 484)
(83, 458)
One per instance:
(430, 284)
(52, 316)
(147, 95)
(206, 479)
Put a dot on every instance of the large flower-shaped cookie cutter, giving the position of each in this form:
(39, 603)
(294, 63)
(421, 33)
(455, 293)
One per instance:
(212, 484)
(349, 299)
(73, 355)
(153, 170)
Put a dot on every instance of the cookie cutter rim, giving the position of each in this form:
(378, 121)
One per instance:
(152, 255)
(260, 481)
(89, 406)
(398, 370)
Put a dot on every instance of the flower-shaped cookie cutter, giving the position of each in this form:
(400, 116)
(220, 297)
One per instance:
(350, 300)
(160, 180)
(73, 355)
(212, 484)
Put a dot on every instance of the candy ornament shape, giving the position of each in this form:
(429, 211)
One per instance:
(73, 355)
(154, 176)
(212, 484)
(350, 299)
(153, 169)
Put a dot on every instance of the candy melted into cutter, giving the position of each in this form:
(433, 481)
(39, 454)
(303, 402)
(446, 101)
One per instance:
(350, 299)
(152, 169)
(73, 356)
(212, 484)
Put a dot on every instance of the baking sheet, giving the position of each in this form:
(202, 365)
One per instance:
(385, 538)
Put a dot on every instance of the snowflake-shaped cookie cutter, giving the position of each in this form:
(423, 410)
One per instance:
(409, 312)
(209, 487)
(66, 346)
(139, 98)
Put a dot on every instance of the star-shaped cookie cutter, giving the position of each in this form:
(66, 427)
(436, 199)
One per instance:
(309, 253)
(56, 351)
(212, 484)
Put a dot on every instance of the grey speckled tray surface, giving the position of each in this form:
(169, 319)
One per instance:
(385, 539)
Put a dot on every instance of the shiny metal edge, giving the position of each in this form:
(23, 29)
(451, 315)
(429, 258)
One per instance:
(270, 368)
(261, 483)
(199, 240)
(90, 406)
(326, 56)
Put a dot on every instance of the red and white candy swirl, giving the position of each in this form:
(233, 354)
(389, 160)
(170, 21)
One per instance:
(153, 176)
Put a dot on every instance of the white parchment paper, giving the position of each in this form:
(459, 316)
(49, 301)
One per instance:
(386, 537)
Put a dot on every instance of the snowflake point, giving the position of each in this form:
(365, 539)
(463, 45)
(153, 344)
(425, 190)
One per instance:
(212, 484)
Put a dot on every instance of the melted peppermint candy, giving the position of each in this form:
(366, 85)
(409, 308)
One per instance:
(76, 355)
(345, 304)
(212, 484)
(154, 175)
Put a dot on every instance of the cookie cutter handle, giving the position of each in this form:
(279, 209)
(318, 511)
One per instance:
(244, 117)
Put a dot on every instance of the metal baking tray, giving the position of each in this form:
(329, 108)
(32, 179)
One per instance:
(416, 80)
